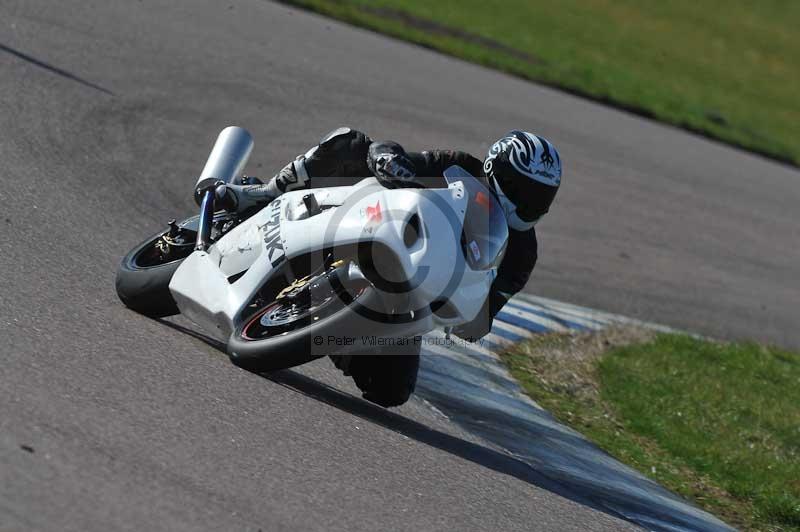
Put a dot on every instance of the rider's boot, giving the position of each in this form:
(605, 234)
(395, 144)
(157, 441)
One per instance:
(342, 152)
(254, 194)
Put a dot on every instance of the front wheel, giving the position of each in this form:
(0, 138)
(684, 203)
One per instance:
(144, 274)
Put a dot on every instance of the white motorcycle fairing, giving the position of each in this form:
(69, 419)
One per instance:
(214, 287)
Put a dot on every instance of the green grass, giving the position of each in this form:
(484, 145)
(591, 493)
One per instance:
(717, 423)
(729, 70)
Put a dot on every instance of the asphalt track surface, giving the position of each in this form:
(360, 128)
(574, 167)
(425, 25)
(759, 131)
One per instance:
(109, 420)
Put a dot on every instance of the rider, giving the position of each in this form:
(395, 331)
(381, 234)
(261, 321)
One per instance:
(522, 169)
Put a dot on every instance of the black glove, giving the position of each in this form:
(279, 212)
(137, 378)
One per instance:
(389, 162)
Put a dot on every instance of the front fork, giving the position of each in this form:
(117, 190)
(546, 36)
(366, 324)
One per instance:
(206, 218)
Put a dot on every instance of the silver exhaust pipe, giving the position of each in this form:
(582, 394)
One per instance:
(227, 158)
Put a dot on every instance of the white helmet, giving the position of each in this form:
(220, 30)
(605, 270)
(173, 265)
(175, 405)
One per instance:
(525, 170)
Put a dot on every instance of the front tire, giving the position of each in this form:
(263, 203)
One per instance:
(143, 276)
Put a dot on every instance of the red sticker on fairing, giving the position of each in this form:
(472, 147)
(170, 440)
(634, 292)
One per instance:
(483, 200)
(374, 213)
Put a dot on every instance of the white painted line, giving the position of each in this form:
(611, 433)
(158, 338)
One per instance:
(486, 363)
(534, 318)
(607, 317)
(568, 308)
(569, 313)
(513, 329)
(498, 340)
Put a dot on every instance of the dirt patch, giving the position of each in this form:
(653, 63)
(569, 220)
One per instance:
(437, 28)
(564, 362)
(447, 31)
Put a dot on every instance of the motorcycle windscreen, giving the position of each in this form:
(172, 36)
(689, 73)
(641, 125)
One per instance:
(485, 232)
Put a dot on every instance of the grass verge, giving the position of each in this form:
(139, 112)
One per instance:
(717, 423)
(727, 70)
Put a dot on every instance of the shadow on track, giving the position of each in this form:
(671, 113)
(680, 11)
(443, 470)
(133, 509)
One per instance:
(533, 446)
(478, 454)
(481, 455)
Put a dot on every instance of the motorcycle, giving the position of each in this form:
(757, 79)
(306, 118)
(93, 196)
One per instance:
(320, 271)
